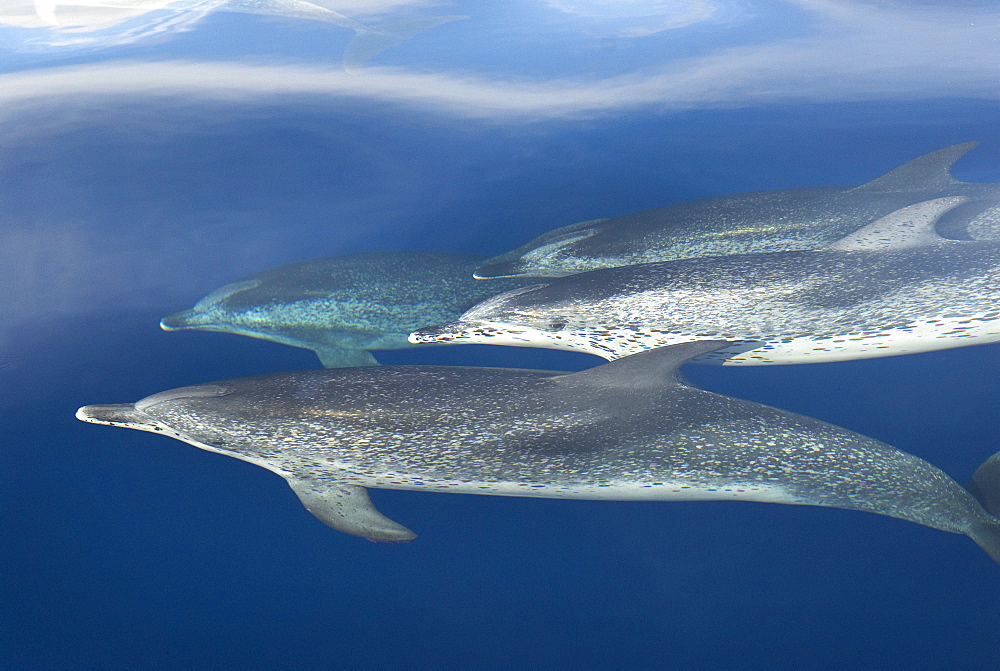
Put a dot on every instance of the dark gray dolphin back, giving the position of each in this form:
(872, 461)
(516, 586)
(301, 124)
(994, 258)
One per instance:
(430, 284)
(763, 221)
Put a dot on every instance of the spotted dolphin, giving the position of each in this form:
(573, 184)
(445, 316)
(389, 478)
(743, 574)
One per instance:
(892, 287)
(761, 221)
(368, 41)
(343, 306)
(632, 429)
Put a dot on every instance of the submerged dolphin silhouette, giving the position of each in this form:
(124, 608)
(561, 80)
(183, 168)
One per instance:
(761, 221)
(893, 287)
(626, 430)
(342, 306)
(368, 41)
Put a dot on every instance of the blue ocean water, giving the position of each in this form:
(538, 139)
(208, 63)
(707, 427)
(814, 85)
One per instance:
(142, 166)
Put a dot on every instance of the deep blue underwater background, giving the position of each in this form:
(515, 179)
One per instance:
(123, 549)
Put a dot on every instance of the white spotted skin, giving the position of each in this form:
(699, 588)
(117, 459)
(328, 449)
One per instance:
(777, 308)
(626, 430)
(613, 344)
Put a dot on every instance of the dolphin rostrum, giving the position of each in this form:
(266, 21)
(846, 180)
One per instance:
(631, 429)
(342, 306)
(761, 221)
(892, 287)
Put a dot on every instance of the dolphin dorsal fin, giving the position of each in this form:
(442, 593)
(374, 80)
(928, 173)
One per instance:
(652, 368)
(930, 171)
(911, 226)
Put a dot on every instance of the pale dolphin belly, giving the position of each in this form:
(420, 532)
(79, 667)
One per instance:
(914, 338)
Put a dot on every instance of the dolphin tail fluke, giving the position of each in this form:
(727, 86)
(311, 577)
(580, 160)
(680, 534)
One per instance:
(987, 536)
(930, 171)
(369, 42)
(985, 486)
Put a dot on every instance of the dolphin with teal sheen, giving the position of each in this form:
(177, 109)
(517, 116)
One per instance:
(892, 287)
(368, 40)
(761, 221)
(343, 306)
(632, 429)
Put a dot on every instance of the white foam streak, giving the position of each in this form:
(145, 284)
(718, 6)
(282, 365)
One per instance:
(861, 54)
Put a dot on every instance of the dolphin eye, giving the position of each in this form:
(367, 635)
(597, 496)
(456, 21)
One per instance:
(557, 326)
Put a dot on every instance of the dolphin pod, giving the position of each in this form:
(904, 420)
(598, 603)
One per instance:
(626, 430)
(633, 428)
(892, 287)
(761, 221)
(342, 306)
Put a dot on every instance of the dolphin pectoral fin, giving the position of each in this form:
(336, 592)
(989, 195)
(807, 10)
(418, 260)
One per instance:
(347, 508)
(930, 171)
(339, 357)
